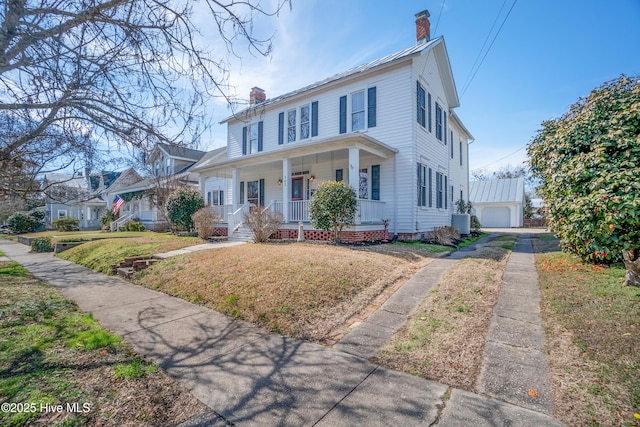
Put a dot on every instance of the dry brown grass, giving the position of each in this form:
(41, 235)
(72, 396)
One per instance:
(301, 290)
(444, 340)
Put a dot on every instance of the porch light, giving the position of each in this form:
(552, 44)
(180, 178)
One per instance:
(279, 181)
(312, 178)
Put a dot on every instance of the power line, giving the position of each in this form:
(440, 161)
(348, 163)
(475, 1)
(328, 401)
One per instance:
(435, 30)
(464, 90)
(501, 159)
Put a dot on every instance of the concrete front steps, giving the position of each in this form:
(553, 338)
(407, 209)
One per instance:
(241, 234)
(126, 267)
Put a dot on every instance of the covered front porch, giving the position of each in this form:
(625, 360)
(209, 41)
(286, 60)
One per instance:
(284, 180)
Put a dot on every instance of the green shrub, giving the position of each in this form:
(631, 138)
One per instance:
(107, 219)
(21, 223)
(475, 224)
(181, 204)
(41, 244)
(66, 223)
(333, 207)
(134, 226)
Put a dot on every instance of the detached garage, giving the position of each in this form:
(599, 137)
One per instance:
(498, 203)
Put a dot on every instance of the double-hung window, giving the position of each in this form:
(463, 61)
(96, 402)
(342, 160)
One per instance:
(215, 198)
(357, 111)
(291, 126)
(252, 138)
(422, 185)
(362, 110)
(421, 105)
(440, 190)
(305, 122)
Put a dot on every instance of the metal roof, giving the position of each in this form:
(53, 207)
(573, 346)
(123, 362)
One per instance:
(351, 72)
(497, 191)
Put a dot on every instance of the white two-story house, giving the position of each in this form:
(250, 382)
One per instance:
(388, 128)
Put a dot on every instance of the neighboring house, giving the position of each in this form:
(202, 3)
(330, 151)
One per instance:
(170, 168)
(387, 127)
(77, 196)
(499, 202)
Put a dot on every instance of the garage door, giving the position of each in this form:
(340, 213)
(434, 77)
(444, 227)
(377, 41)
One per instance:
(496, 217)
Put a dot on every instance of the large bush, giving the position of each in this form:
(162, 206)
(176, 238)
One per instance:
(134, 226)
(205, 221)
(181, 205)
(333, 207)
(22, 223)
(589, 162)
(66, 223)
(42, 244)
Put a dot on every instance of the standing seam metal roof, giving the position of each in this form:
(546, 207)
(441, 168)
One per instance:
(497, 191)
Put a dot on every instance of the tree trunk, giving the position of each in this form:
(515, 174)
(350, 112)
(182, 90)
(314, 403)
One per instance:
(632, 262)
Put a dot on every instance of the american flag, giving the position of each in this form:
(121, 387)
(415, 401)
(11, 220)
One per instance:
(117, 202)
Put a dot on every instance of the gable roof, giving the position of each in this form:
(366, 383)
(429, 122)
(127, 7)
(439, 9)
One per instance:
(497, 191)
(177, 152)
(437, 45)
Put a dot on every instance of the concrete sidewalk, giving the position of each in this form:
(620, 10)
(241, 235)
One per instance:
(255, 378)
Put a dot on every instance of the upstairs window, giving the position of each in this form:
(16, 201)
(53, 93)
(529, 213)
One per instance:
(252, 138)
(421, 105)
(305, 122)
(438, 122)
(363, 110)
(357, 111)
(291, 126)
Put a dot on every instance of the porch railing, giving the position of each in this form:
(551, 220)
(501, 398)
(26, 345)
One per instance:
(298, 210)
(370, 211)
(224, 211)
(236, 218)
(115, 225)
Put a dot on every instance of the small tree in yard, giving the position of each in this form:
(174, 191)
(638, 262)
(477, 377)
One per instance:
(181, 205)
(262, 223)
(589, 164)
(333, 206)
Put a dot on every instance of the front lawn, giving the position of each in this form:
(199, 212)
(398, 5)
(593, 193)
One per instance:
(303, 290)
(592, 325)
(53, 354)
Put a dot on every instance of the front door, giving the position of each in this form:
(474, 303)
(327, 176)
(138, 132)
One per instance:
(297, 188)
(253, 193)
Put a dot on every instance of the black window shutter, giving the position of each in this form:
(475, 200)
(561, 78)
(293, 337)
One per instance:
(244, 140)
(371, 103)
(260, 136)
(429, 110)
(314, 118)
(419, 176)
(444, 126)
(221, 199)
(242, 192)
(261, 195)
(343, 114)
(375, 182)
(418, 101)
(446, 187)
(281, 128)
(430, 188)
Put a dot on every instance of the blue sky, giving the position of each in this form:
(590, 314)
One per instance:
(547, 54)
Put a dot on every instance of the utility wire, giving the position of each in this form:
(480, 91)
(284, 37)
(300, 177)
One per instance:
(501, 159)
(435, 30)
(464, 90)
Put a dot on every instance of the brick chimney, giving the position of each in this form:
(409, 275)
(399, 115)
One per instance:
(423, 27)
(257, 96)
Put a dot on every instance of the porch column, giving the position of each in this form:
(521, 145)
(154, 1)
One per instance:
(354, 173)
(202, 187)
(235, 193)
(354, 168)
(286, 193)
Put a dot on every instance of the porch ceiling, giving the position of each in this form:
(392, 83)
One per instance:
(356, 139)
